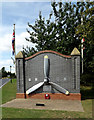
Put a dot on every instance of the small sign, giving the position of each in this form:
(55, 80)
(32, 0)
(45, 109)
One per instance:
(29, 79)
(47, 88)
(65, 78)
(36, 79)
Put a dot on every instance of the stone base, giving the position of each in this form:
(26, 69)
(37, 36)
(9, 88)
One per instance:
(71, 96)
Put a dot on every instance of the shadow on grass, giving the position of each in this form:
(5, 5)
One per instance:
(87, 92)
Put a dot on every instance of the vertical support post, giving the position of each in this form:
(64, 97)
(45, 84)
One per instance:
(82, 56)
(76, 69)
(10, 69)
(82, 47)
(15, 45)
(10, 75)
(20, 70)
(15, 51)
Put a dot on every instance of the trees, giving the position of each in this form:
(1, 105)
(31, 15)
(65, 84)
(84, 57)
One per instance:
(43, 34)
(4, 73)
(68, 17)
(65, 31)
(66, 21)
(86, 30)
(58, 35)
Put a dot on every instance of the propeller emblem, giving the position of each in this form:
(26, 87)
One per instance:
(47, 80)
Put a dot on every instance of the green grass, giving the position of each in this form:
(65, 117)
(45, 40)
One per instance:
(9, 93)
(27, 113)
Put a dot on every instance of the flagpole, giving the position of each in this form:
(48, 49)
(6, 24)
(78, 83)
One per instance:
(82, 55)
(15, 52)
(82, 47)
(15, 49)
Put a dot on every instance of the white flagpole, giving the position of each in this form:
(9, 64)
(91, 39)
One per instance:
(15, 52)
(82, 55)
(15, 47)
(82, 47)
(14, 60)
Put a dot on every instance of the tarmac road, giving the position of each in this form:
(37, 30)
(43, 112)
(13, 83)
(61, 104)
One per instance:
(3, 82)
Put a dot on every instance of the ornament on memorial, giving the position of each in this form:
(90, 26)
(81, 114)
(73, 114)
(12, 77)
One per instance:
(47, 84)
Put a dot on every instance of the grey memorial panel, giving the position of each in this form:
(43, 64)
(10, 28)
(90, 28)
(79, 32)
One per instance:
(64, 71)
(47, 88)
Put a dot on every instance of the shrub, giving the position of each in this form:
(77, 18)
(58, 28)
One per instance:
(87, 79)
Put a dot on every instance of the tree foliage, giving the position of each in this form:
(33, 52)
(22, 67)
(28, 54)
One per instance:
(63, 31)
(86, 30)
(43, 35)
(4, 73)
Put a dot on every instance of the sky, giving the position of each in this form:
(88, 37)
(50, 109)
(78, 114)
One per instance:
(19, 13)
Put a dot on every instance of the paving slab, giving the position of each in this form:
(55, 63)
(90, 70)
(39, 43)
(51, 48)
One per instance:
(65, 105)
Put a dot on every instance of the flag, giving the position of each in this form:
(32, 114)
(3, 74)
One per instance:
(83, 40)
(13, 42)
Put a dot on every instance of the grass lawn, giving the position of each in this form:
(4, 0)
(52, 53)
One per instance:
(27, 113)
(9, 93)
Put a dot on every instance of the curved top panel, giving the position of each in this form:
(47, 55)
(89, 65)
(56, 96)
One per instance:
(47, 51)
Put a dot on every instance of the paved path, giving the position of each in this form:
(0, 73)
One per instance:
(3, 82)
(66, 105)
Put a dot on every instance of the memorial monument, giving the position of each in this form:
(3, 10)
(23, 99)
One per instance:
(48, 73)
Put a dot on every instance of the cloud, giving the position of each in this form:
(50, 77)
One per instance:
(20, 41)
(6, 42)
(7, 63)
(6, 48)
(19, 13)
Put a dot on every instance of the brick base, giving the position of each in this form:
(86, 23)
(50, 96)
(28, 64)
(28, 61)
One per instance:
(20, 95)
(71, 96)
